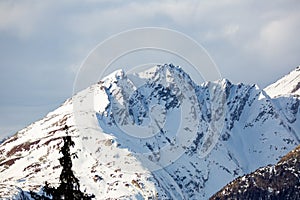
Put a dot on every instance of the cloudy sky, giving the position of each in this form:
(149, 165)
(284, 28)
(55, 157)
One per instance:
(42, 43)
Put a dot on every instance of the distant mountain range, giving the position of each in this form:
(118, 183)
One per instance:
(157, 135)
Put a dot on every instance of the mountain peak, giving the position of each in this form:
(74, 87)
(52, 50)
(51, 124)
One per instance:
(153, 135)
(287, 85)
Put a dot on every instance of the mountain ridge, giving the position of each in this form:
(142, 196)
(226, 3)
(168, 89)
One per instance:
(254, 133)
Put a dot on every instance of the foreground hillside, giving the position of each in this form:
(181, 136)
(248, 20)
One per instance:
(280, 181)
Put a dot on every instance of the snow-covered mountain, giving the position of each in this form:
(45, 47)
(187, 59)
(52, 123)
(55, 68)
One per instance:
(285, 94)
(157, 135)
(288, 85)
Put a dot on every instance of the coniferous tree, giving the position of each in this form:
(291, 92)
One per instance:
(69, 188)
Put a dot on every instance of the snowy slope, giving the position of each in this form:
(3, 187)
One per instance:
(287, 85)
(30, 158)
(285, 94)
(151, 135)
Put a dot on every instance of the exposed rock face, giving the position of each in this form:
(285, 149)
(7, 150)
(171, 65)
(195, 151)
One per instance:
(280, 181)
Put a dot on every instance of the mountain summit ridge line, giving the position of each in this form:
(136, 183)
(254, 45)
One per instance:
(259, 128)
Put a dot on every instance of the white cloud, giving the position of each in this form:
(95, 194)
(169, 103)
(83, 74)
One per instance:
(249, 40)
(21, 18)
(231, 29)
(280, 36)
